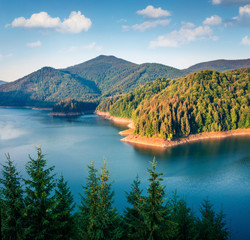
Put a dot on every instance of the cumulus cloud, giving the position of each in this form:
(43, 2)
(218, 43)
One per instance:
(245, 41)
(188, 33)
(34, 44)
(152, 12)
(76, 22)
(243, 19)
(146, 25)
(230, 2)
(213, 20)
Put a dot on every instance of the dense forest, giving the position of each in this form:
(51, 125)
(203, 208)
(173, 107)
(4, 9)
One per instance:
(73, 106)
(200, 102)
(42, 207)
(124, 105)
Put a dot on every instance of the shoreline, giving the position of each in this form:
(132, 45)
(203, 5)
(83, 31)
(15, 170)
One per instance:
(162, 143)
(123, 121)
(130, 137)
(64, 114)
(27, 107)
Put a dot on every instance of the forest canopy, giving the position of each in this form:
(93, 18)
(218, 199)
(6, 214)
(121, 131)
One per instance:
(200, 102)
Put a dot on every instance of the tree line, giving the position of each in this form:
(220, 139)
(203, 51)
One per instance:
(73, 106)
(42, 207)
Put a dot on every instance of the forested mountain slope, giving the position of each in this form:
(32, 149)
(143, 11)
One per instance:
(91, 80)
(115, 76)
(46, 87)
(200, 102)
(102, 76)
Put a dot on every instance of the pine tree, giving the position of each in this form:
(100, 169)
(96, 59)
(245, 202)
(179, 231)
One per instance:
(63, 219)
(155, 213)
(109, 220)
(212, 226)
(98, 217)
(88, 216)
(39, 202)
(132, 218)
(12, 204)
(182, 215)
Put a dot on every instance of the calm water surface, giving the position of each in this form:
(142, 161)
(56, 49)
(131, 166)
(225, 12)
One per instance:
(219, 169)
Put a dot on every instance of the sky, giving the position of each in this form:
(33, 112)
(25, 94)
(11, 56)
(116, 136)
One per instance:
(178, 33)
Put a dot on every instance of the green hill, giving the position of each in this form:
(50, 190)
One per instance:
(46, 87)
(200, 102)
(219, 65)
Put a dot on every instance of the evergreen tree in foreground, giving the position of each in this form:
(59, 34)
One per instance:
(12, 204)
(108, 217)
(183, 216)
(212, 226)
(39, 202)
(155, 214)
(132, 218)
(88, 216)
(63, 219)
(99, 217)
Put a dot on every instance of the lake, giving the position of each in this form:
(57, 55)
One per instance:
(218, 169)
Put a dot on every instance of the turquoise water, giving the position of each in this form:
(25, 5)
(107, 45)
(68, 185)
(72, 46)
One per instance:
(219, 169)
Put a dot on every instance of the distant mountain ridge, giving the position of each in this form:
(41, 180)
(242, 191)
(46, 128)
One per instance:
(220, 65)
(90, 80)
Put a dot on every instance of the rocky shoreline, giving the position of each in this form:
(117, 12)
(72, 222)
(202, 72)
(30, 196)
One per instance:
(130, 137)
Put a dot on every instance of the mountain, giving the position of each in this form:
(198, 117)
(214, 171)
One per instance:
(2, 82)
(46, 87)
(88, 81)
(116, 76)
(93, 79)
(199, 102)
(219, 65)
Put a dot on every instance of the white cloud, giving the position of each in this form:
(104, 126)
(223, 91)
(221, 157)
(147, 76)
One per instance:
(146, 25)
(122, 20)
(245, 41)
(213, 20)
(152, 12)
(243, 19)
(34, 44)
(76, 22)
(230, 2)
(90, 46)
(188, 33)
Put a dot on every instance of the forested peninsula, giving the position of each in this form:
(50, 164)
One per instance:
(198, 106)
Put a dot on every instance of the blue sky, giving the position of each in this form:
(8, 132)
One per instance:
(177, 33)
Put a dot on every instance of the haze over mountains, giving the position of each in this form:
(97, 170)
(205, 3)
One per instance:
(2, 82)
(88, 81)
